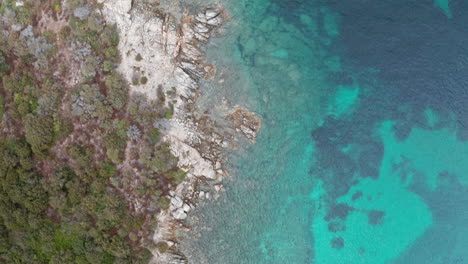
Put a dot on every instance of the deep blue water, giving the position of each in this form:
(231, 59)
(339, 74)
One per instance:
(363, 155)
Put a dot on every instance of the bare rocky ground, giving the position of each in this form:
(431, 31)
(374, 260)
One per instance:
(167, 49)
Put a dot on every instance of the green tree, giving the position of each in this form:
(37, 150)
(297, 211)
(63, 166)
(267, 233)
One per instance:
(117, 90)
(115, 143)
(88, 70)
(110, 36)
(4, 66)
(39, 132)
(107, 66)
(2, 107)
(159, 159)
(107, 170)
(153, 135)
(19, 82)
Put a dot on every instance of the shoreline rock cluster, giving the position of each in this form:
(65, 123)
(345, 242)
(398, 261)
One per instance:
(168, 53)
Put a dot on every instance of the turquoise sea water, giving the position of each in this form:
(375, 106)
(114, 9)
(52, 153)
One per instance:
(363, 153)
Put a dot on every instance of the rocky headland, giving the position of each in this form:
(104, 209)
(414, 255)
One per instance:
(163, 52)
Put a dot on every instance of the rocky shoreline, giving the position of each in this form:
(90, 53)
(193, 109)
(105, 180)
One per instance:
(167, 50)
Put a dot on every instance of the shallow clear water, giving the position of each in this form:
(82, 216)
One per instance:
(363, 154)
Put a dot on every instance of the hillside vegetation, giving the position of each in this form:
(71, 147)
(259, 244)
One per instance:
(83, 171)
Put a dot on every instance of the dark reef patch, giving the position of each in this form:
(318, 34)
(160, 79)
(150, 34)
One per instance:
(356, 195)
(375, 217)
(336, 226)
(339, 211)
(337, 243)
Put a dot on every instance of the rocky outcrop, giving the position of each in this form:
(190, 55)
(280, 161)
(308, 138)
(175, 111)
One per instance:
(165, 51)
(168, 52)
(245, 122)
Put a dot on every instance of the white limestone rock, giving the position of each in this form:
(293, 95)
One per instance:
(186, 208)
(124, 6)
(210, 14)
(177, 202)
(179, 214)
(191, 158)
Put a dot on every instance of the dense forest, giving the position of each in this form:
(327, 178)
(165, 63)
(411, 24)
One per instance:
(83, 171)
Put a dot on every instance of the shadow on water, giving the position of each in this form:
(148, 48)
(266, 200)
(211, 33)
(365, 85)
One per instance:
(417, 50)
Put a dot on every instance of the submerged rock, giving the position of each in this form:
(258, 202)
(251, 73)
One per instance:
(246, 122)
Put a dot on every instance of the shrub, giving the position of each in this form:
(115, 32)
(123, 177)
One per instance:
(160, 93)
(2, 107)
(169, 112)
(164, 202)
(107, 66)
(115, 144)
(177, 176)
(107, 170)
(162, 247)
(57, 6)
(88, 102)
(65, 32)
(153, 135)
